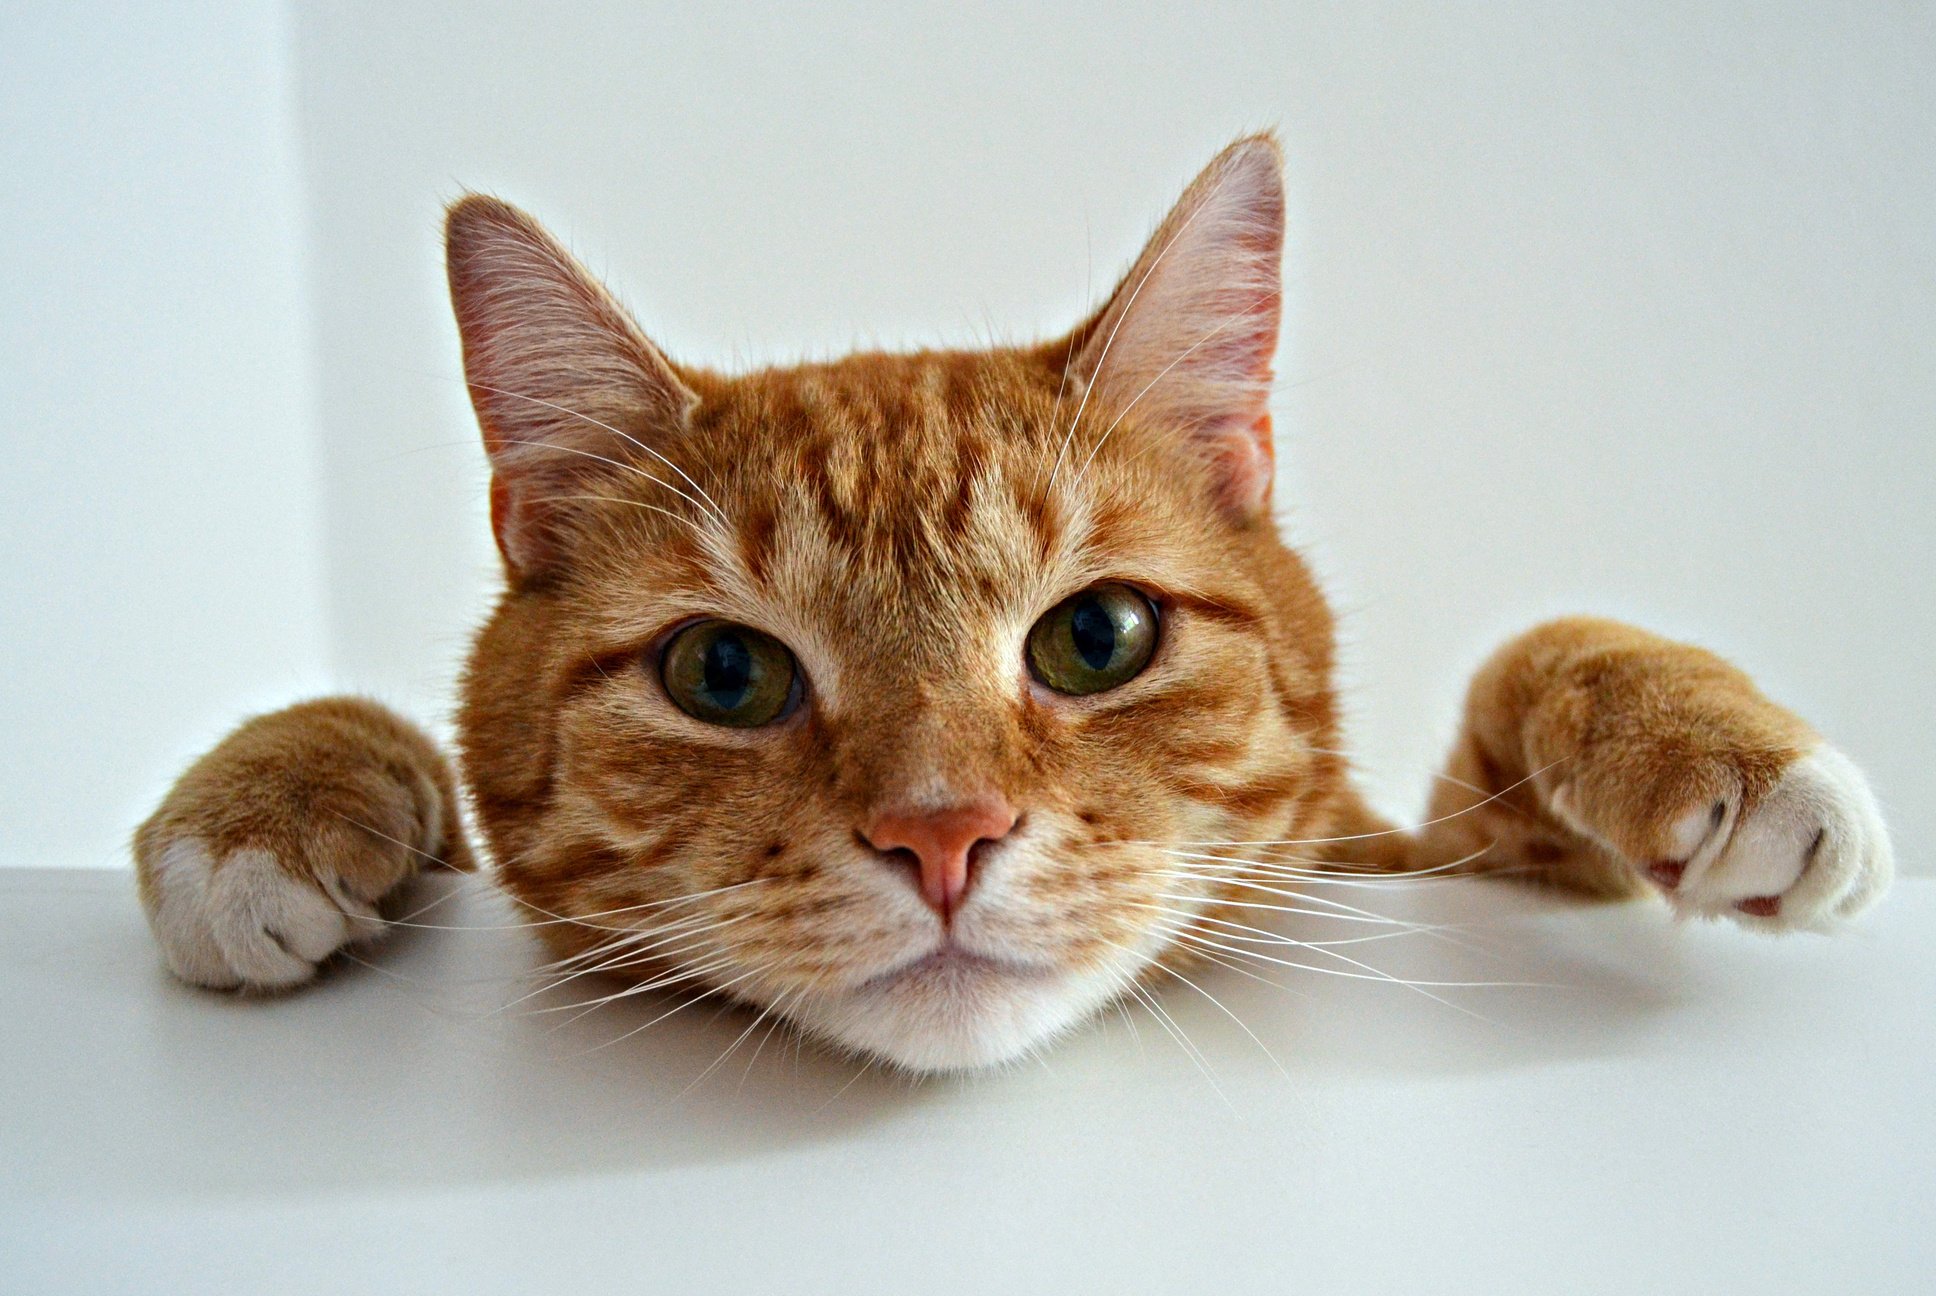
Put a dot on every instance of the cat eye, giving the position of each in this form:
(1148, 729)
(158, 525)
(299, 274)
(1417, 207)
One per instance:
(728, 674)
(1094, 640)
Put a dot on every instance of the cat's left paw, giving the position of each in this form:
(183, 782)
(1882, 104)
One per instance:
(1808, 852)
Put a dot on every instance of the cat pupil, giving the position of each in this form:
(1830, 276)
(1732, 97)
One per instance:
(729, 669)
(1094, 632)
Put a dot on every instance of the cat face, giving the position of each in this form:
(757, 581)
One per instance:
(879, 693)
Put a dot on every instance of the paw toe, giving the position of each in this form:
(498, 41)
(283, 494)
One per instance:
(245, 920)
(1813, 850)
(180, 916)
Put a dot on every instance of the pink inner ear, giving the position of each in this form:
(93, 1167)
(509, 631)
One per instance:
(1246, 465)
(556, 369)
(1188, 337)
(516, 539)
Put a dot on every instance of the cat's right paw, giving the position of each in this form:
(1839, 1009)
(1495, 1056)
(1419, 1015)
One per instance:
(275, 850)
(247, 920)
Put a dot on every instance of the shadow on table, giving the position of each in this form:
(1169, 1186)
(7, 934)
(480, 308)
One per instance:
(420, 1070)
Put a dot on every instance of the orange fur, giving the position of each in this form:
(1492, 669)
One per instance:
(300, 781)
(1628, 728)
(899, 522)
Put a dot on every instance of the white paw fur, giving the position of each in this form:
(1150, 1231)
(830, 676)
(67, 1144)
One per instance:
(246, 921)
(1813, 851)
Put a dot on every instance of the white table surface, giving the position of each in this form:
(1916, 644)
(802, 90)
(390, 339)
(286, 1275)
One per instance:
(1671, 1109)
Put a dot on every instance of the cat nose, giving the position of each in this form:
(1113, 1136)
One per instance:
(942, 844)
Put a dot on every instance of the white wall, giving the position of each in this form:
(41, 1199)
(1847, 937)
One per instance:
(1630, 310)
(158, 500)
(1622, 308)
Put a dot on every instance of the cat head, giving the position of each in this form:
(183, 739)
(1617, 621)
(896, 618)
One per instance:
(891, 694)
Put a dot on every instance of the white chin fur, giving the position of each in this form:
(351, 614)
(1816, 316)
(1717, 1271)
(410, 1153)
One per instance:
(950, 1022)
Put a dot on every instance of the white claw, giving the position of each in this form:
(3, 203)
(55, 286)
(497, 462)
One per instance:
(1813, 851)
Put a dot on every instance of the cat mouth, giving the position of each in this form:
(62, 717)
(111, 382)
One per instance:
(951, 964)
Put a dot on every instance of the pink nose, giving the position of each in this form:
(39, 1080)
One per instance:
(942, 843)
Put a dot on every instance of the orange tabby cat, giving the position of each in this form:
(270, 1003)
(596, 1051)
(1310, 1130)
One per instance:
(933, 701)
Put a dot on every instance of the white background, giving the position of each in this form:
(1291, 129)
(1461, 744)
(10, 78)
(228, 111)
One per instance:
(1622, 308)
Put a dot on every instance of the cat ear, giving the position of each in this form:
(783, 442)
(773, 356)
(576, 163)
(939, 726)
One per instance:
(562, 380)
(1187, 338)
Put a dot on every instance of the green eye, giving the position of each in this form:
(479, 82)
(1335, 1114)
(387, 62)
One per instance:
(1093, 641)
(728, 674)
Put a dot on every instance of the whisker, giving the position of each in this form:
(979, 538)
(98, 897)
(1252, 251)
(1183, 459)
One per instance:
(627, 941)
(1440, 775)
(1233, 965)
(1366, 972)
(1176, 1033)
(1220, 1008)
(1263, 935)
(1122, 1010)
(1241, 1025)
(779, 1010)
(1344, 912)
(1365, 836)
(681, 972)
(718, 512)
(637, 504)
(719, 990)
(450, 893)
(650, 946)
(378, 832)
(1088, 291)
(669, 980)
(864, 1064)
(737, 1041)
(1377, 919)
(622, 466)
(632, 955)
(552, 920)
(411, 983)
(1335, 910)
(1325, 877)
